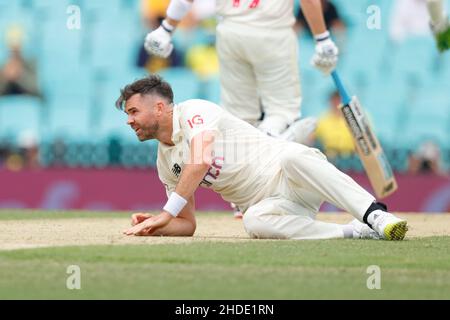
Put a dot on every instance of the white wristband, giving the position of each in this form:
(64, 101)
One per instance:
(175, 204)
(322, 36)
(178, 9)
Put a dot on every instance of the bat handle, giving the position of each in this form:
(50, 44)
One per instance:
(340, 87)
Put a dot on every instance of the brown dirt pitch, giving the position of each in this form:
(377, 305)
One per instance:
(33, 233)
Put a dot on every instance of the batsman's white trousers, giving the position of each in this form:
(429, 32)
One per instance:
(307, 179)
(259, 67)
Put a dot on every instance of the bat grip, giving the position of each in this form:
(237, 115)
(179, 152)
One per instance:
(340, 87)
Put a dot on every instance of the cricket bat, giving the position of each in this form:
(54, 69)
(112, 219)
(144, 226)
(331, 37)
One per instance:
(368, 148)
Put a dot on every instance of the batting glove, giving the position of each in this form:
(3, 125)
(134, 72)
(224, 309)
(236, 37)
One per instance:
(159, 41)
(442, 35)
(326, 56)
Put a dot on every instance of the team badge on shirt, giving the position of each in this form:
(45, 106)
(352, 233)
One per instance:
(176, 169)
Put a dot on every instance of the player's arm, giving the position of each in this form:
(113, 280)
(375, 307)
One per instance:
(312, 10)
(183, 225)
(326, 55)
(177, 214)
(159, 41)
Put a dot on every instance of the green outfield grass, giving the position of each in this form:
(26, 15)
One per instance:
(260, 269)
(27, 214)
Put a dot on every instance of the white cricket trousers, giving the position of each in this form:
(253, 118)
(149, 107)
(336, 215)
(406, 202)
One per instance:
(259, 70)
(307, 179)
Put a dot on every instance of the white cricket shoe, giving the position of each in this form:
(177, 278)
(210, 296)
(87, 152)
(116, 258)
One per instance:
(363, 231)
(388, 226)
(300, 130)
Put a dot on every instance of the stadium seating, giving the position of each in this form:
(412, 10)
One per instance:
(20, 114)
(404, 87)
(184, 82)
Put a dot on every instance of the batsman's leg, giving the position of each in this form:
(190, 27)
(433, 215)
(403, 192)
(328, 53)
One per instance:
(278, 79)
(237, 80)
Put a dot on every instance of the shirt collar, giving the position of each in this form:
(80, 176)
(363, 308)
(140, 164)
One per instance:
(176, 132)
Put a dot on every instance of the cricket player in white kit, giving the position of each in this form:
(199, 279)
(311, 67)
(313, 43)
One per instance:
(258, 51)
(280, 185)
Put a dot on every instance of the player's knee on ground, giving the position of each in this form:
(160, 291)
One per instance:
(259, 227)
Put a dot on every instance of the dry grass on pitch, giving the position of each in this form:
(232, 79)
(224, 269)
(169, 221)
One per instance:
(47, 232)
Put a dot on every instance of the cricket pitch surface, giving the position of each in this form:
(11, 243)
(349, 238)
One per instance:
(222, 227)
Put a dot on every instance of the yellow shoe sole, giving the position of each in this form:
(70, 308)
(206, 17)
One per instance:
(396, 231)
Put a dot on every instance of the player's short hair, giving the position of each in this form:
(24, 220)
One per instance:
(152, 84)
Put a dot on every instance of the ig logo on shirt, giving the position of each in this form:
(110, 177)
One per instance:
(196, 120)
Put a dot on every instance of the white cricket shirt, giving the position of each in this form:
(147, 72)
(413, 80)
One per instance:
(245, 166)
(257, 13)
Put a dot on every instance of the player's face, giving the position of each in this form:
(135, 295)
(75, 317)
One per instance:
(143, 117)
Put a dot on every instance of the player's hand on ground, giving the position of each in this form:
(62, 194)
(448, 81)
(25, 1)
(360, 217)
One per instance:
(159, 42)
(326, 56)
(142, 228)
(137, 218)
(149, 225)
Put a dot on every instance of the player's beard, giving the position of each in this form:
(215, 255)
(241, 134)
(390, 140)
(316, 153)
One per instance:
(148, 132)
